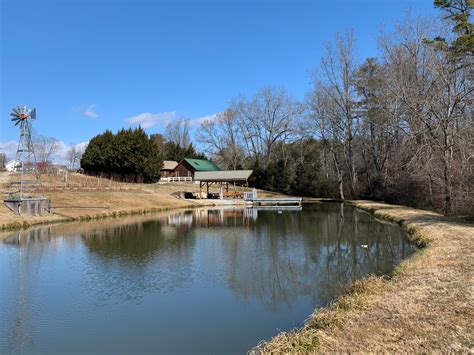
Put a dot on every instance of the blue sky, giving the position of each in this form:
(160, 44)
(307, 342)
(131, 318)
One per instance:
(91, 65)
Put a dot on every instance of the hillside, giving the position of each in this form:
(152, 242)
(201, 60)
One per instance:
(85, 197)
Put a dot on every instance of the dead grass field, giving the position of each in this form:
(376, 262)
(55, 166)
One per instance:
(428, 306)
(85, 197)
(88, 197)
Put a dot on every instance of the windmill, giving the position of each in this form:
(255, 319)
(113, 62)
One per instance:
(25, 160)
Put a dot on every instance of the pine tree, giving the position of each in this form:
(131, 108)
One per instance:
(459, 13)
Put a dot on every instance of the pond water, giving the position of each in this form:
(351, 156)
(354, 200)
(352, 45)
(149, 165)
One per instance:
(201, 281)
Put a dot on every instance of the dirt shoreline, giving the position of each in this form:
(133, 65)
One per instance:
(428, 304)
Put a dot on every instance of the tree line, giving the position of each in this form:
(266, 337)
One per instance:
(397, 127)
(131, 155)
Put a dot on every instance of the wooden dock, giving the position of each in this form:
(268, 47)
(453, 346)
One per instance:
(271, 201)
(277, 201)
(278, 208)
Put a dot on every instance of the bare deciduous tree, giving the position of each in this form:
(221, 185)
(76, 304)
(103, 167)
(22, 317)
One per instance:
(322, 124)
(398, 127)
(73, 156)
(45, 147)
(177, 131)
(433, 97)
(338, 69)
(221, 138)
(267, 119)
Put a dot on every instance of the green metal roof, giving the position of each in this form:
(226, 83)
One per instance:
(202, 165)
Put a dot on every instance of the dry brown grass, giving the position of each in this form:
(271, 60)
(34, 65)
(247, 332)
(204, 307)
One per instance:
(427, 306)
(87, 197)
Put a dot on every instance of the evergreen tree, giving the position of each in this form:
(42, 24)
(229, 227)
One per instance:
(173, 151)
(459, 13)
(130, 155)
(97, 156)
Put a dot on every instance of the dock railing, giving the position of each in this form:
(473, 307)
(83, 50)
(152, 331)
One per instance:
(251, 195)
(271, 201)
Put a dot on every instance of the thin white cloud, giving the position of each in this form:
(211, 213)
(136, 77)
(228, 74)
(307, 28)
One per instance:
(195, 122)
(63, 148)
(147, 120)
(60, 156)
(90, 112)
(9, 149)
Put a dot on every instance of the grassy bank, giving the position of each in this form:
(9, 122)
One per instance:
(85, 198)
(426, 306)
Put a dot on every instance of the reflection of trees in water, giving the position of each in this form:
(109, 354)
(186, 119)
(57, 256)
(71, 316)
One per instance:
(137, 243)
(137, 259)
(274, 259)
(311, 253)
(18, 300)
(344, 258)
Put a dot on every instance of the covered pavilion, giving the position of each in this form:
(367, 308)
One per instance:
(222, 178)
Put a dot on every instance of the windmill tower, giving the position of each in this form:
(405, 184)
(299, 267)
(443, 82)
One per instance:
(25, 162)
(25, 159)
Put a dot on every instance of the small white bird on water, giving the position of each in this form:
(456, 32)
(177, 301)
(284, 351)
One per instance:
(364, 246)
(280, 211)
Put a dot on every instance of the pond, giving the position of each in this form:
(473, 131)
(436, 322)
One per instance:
(194, 281)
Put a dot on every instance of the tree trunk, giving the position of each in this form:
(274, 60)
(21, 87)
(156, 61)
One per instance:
(340, 182)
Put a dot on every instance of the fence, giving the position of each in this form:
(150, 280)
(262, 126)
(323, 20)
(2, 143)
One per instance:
(176, 179)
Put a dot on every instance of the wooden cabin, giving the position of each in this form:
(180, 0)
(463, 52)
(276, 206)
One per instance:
(168, 168)
(187, 167)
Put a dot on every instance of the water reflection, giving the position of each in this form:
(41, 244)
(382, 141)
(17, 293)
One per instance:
(280, 264)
